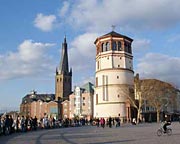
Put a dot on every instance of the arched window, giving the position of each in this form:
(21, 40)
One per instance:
(103, 47)
(114, 46)
(107, 46)
(129, 48)
(126, 46)
(119, 46)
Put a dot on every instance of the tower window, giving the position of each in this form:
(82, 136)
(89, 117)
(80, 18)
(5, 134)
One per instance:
(96, 98)
(96, 81)
(118, 65)
(57, 80)
(117, 77)
(98, 65)
(129, 48)
(126, 46)
(114, 45)
(119, 46)
(107, 46)
(103, 47)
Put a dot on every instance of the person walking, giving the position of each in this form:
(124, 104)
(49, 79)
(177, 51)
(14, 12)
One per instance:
(110, 122)
(102, 122)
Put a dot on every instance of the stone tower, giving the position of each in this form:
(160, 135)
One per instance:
(114, 72)
(63, 78)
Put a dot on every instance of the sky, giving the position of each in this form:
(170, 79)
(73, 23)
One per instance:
(32, 32)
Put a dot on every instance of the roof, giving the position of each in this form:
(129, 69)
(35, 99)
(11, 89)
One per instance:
(35, 97)
(114, 34)
(89, 87)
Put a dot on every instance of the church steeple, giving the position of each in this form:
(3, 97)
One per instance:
(64, 66)
(63, 79)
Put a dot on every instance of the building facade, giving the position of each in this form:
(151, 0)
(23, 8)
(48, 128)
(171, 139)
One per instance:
(42, 109)
(39, 105)
(81, 102)
(65, 109)
(114, 70)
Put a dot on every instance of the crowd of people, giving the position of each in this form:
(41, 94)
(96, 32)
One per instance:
(9, 125)
(108, 122)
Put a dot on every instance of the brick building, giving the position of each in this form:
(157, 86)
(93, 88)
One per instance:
(38, 105)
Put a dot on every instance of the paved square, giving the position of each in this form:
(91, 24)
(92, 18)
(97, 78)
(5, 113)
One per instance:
(126, 134)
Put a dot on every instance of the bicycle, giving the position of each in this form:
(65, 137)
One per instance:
(161, 131)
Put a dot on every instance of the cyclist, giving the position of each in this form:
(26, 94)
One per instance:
(166, 123)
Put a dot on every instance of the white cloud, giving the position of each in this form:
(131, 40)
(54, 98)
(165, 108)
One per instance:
(63, 11)
(30, 59)
(161, 67)
(84, 44)
(136, 14)
(140, 45)
(82, 52)
(45, 23)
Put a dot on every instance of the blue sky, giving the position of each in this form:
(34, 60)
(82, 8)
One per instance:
(32, 32)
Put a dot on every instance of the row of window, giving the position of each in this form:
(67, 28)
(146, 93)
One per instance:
(78, 99)
(116, 46)
(65, 79)
(79, 105)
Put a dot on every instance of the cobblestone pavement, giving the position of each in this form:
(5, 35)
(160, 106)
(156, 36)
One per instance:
(126, 134)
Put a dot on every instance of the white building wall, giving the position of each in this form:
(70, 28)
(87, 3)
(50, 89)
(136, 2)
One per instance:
(112, 110)
(113, 70)
(117, 61)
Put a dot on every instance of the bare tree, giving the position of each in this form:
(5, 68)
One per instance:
(127, 91)
(158, 94)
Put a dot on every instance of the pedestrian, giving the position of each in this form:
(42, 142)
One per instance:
(102, 122)
(110, 122)
(97, 122)
(22, 124)
(7, 125)
(117, 122)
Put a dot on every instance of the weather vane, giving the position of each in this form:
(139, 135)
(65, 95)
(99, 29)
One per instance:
(113, 27)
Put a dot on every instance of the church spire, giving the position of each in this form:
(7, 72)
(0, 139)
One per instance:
(64, 67)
